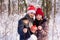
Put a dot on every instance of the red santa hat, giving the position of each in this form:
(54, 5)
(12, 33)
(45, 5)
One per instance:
(30, 9)
(40, 12)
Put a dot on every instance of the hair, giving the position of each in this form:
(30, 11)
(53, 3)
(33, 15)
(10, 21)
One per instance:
(24, 18)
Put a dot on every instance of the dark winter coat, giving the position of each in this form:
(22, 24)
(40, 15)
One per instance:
(21, 25)
(42, 34)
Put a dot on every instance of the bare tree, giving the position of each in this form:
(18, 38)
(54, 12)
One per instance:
(1, 1)
(9, 7)
(25, 5)
(54, 25)
(0, 5)
(47, 6)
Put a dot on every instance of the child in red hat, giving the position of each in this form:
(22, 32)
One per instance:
(41, 24)
(25, 23)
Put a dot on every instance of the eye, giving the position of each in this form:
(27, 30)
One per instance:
(32, 13)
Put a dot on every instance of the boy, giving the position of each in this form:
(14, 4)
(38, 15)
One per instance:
(23, 29)
(25, 23)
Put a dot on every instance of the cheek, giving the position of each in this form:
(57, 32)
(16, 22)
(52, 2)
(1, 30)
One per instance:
(27, 21)
(32, 14)
(39, 17)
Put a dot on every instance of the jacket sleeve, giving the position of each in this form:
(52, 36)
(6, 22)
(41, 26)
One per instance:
(20, 27)
(45, 30)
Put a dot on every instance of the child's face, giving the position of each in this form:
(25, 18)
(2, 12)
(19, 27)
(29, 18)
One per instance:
(38, 17)
(26, 21)
(31, 15)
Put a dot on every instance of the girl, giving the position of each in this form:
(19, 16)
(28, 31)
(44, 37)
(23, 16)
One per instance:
(41, 24)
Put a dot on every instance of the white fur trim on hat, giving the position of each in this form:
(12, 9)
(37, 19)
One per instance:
(33, 11)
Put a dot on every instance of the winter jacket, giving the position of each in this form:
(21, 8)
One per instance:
(31, 20)
(21, 25)
(42, 34)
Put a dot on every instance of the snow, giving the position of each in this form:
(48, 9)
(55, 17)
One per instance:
(9, 24)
